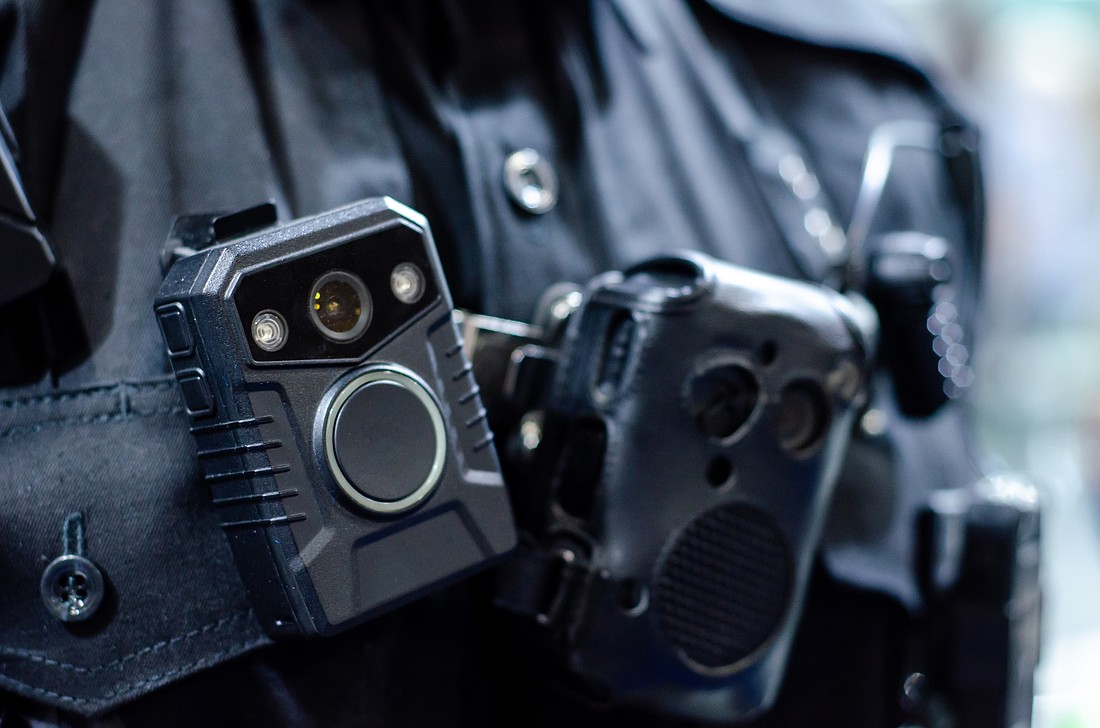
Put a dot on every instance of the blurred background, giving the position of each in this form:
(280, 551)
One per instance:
(1030, 72)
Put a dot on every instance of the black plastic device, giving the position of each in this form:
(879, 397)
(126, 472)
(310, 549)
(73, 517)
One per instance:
(679, 469)
(336, 415)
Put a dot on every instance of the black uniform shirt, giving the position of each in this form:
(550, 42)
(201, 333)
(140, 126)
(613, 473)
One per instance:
(649, 113)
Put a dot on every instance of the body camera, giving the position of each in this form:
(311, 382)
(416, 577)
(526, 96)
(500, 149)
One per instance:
(336, 416)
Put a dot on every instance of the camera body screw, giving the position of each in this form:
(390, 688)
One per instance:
(72, 586)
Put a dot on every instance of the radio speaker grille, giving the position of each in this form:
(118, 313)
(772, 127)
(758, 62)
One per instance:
(724, 586)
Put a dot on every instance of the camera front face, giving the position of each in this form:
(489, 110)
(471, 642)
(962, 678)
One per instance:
(336, 415)
(337, 304)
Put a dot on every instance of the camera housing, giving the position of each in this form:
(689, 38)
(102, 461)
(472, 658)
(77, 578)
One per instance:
(681, 461)
(336, 415)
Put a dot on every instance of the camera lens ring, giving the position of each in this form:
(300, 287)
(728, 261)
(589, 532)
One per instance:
(414, 385)
(340, 306)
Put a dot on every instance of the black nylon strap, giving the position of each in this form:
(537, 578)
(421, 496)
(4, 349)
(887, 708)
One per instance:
(29, 259)
(39, 48)
(528, 584)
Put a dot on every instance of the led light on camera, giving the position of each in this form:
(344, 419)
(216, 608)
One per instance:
(269, 330)
(407, 283)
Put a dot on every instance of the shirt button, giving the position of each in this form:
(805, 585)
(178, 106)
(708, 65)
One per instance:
(72, 586)
(531, 181)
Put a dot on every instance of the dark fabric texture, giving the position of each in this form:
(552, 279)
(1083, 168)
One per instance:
(175, 107)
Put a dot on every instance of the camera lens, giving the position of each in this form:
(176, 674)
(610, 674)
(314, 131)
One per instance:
(407, 283)
(340, 306)
(269, 330)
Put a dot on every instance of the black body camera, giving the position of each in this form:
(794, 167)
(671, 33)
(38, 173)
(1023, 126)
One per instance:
(677, 460)
(336, 415)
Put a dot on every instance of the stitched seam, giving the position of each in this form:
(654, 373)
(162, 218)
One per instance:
(132, 687)
(101, 391)
(106, 392)
(18, 430)
(34, 657)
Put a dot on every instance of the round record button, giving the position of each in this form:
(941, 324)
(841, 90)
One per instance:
(385, 441)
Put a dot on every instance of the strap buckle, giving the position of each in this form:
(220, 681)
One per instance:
(551, 586)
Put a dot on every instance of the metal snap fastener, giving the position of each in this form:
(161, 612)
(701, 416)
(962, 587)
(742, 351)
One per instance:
(72, 588)
(531, 181)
